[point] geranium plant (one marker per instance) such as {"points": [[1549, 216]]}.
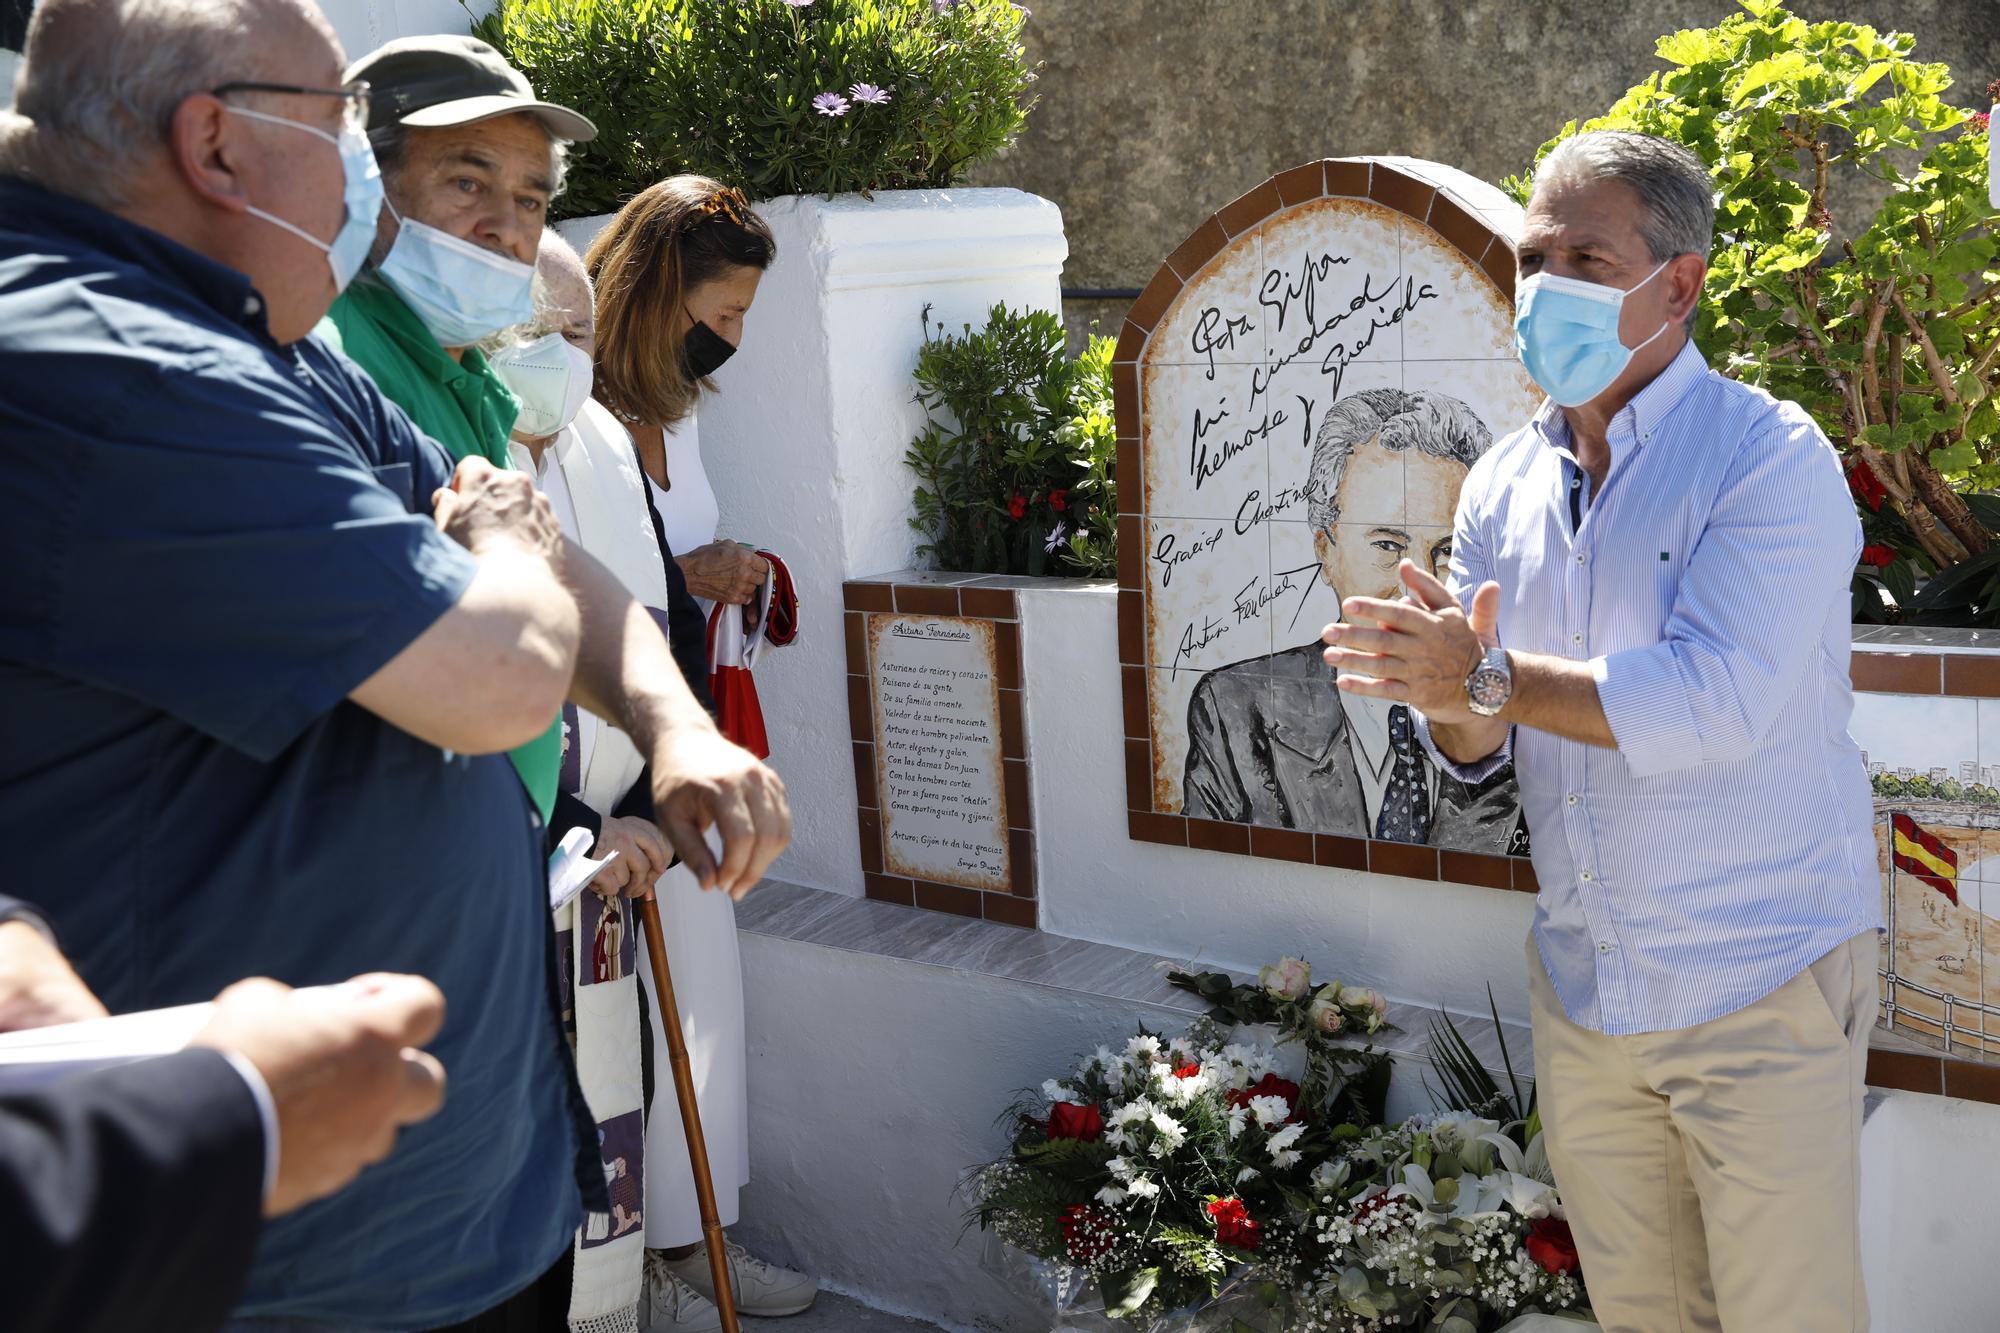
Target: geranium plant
{"points": [[773, 96], [1852, 273], [1015, 464]]}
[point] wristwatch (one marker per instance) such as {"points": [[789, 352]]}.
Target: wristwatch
{"points": [[1491, 683]]}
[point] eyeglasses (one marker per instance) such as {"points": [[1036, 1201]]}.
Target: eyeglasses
{"points": [[354, 115]]}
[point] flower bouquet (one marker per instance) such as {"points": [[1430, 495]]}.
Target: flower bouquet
{"points": [[1443, 1224], [1306, 1030], [1161, 1172]]}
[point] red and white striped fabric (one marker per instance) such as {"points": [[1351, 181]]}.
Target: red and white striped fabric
{"points": [[736, 635]]}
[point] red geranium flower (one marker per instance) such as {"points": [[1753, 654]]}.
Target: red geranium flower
{"points": [[1270, 1086], [1070, 1121], [1059, 500], [1188, 1070], [1878, 556], [1867, 487], [1018, 506], [1551, 1245], [1977, 122], [1087, 1233], [1234, 1225]]}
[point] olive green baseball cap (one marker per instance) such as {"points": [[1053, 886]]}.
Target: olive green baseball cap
{"points": [[440, 81]]}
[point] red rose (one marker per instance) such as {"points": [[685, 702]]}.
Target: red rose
{"points": [[1866, 486], [1067, 1120], [1059, 500], [1018, 506], [1087, 1233], [1550, 1244], [1379, 1203], [1270, 1086], [1188, 1070], [1878, 556], [1234, 1225]]}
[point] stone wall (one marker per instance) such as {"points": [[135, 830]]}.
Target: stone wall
{"points": [[1155, 112]]}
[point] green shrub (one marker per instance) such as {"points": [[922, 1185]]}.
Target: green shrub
{"points": [[1891, 338], [1015, 465], [727, 88]]}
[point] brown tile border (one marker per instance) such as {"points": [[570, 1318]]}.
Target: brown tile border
{"points": [[1281, 844], [1131, 553], [999, 607], [1212, 835], [1125, 391], [1145, 826], [1407, 194], [1970, 677], [1131, 341], [1401, 858], [1301, 183], [1906, 1071], [1138, 771], [1476, 868], [1340, 853], [919, 599], [1524, 875], [1131, 628], [1897, 673], [1245, 211], [1498, 264], [1347, 176], [1206, 242], [1145, 312], [1137, 705]]}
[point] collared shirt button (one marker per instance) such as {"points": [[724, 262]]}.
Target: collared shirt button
{"points": [[1586, 877], [1576, 638], [1572, 798], [1581, 558], [1604, 946]]}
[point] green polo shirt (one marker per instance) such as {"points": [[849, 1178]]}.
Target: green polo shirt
{"points": [[463, 405]]}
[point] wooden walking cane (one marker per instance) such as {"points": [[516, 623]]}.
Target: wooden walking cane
{"points": [[677, 1056]]}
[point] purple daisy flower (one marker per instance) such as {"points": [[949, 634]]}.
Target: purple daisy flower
{"points": [[868, 92], [829, 104]]}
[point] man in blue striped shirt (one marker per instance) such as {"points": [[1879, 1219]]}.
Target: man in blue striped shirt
{"points": [[1665, 555]]}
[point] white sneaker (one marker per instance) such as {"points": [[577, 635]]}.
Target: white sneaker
{"points": [[761, 1288], [669, 1305]]}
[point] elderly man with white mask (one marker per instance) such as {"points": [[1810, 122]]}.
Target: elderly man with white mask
{"points": [[1648, 610], [256, 620]]}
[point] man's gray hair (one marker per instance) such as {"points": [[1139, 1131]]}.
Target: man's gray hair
{"points": [[1676, 193], [1432, 423], [101, 79]]}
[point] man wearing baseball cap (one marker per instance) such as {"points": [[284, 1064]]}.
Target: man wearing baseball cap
{"points": [[470, 159]]}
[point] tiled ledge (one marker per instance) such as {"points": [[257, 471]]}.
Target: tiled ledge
{"points": [[1911, 659], [1084, 967]]}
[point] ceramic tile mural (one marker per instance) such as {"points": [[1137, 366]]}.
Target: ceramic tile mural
{"points": [[1280, 480], [1935, 766]]}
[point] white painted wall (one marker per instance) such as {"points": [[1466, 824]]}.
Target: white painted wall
{"points": [[1930, 1209], [1431, 944], [364, 25]]}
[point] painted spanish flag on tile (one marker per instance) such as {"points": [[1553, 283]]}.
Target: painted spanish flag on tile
{"points": [[1922, 854]]}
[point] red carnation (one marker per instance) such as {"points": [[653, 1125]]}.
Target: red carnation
{"points": [[1879, 556], [1067, 1120], [1087, 1233], [1059, 500], [1234, 1225], [1550, 1244], [1188, 1070], [1270, 1086], [1374, 1204], [1018, 506], [1867, 487]]}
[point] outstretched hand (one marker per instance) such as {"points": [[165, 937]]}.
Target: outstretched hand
{"points": [[701, 779], [1417, 651]]}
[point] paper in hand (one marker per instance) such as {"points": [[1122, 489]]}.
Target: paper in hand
{"points": [[570, 867]]}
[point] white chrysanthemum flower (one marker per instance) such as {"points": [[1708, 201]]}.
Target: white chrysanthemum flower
{"points": [[1248, 1173], [1056, 1092], [1270, 1110], [1282, 1160], [1170, 1134], [1142, 1188], [1133, 1112], [1118, 1138], [1111, 1196], [1286, 1137], [1122, 1167], [1143, 1048], [1238, 1118]]}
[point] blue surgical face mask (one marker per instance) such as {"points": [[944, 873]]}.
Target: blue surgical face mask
{"points": [[364, 199], [1566, 331], [462, 292]]}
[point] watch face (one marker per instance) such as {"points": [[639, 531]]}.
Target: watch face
{"points": [[1490, 688]]}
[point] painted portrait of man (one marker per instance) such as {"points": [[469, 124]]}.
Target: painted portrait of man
{"points": [[1271, 740]]}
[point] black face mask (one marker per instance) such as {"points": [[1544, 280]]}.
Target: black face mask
{"points": [[704, 350]]}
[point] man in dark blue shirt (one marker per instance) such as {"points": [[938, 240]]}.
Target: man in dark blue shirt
{"points": [[256, 630]]}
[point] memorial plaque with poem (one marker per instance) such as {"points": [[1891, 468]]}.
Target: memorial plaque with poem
{"points": [[938, 749]]}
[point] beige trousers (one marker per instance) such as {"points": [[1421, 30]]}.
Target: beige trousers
{"points": [[1711, 1174]]}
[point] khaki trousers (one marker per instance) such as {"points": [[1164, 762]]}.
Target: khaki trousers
{"points": [[1711, 1174]]}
